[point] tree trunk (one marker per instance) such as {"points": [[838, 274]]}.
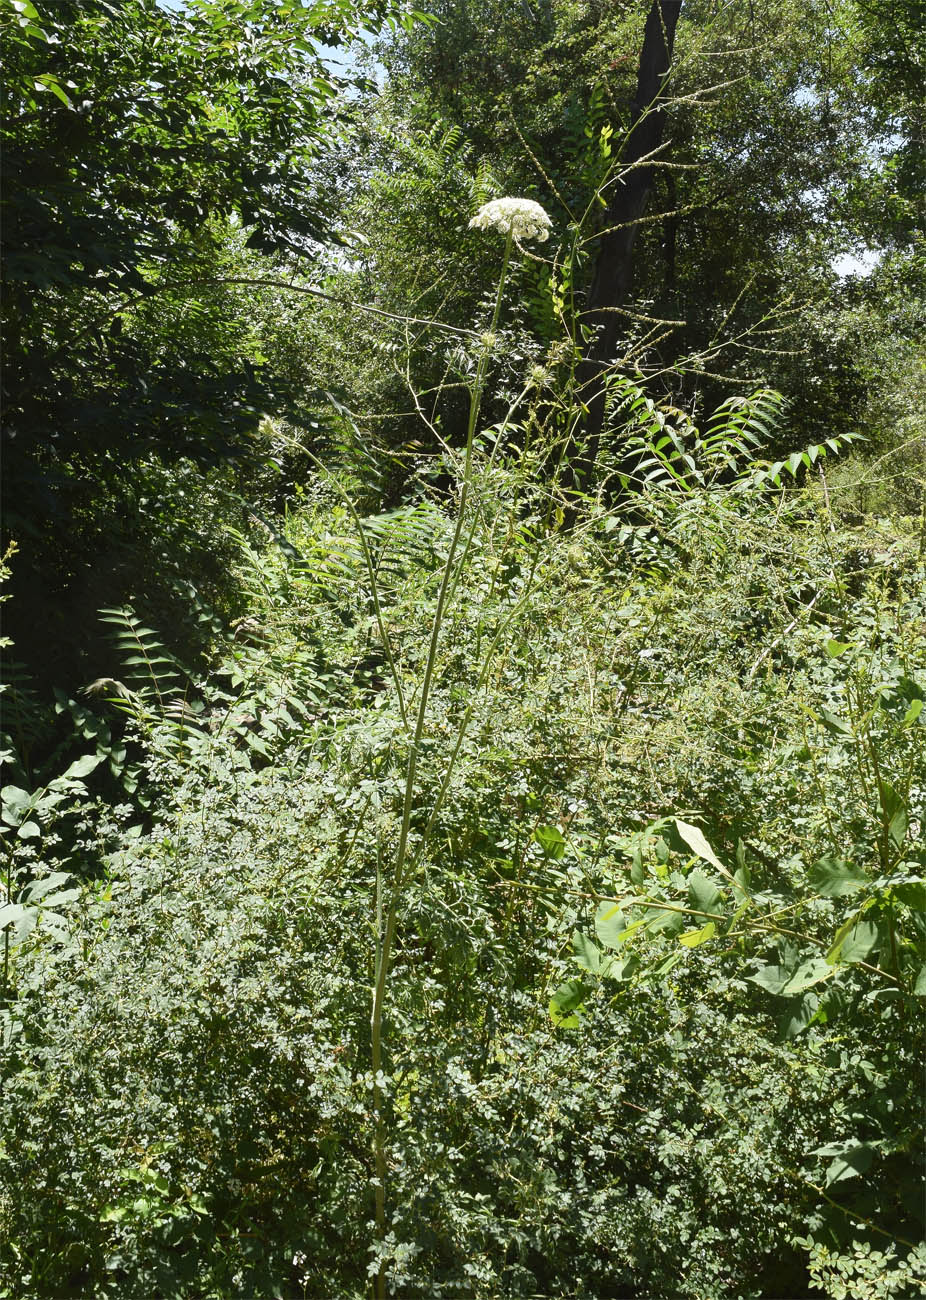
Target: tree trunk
{"points": [[614, 268]]}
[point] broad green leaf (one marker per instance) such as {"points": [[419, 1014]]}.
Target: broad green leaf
{"points": [[912, 893], [48, 82], [60, 899], [551, 840], [913, 712], [610, 924], [784, 981], [620, 968], [630, 930], [694, 938], [895, 813], [16, 803], [21, 920], [853, 942], [835, 947], [772, 978], [588, 954], [566, 1004], [809, 973], [852, 1158], [897, 827], [29, 830], [703, 894], [834, 878], [670, 962], [83, 766], [919, 988], [637, 872], [741, 883], [660, 919], [742, 907], [796, 1020], [39, 888], [835, 648], [694, 838], [859, 942], [835, 726]]}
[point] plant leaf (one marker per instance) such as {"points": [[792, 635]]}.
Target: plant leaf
{"points": [[784, 981], [894, 810], [694, 838], [620, 968], [912, 893], [551, 840], [703, 894], [83, 766], [834, 878], [853, 942], [913, 712], [852, 1158], [694, 938], [588, 954], [835, 726], [16, 803], [772, 978], [610, 924], [566, 1004], [810, 972]]}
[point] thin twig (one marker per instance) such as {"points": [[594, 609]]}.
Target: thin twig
{"points": [[268, 283]]}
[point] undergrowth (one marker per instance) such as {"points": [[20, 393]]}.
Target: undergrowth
{"points": [[188, 1079]]}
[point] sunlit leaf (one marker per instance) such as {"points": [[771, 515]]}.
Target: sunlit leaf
{"points": [[694, 938], [610, 924], [588, 954], [694, 838], [551, 840]]}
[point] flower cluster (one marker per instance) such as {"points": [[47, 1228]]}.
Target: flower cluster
{"points": [[524, 218]]}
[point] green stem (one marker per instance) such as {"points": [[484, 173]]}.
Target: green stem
{"points": [[449, 580]]}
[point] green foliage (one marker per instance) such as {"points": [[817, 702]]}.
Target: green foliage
{"points": [[221, 962], [145, 146], [866, 1274], [433, 880]]}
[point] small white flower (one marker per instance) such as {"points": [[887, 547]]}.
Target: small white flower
{"points": [[523, 217]]}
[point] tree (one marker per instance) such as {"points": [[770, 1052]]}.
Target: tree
{"points": [[140, 145], [775, 130], [613, 273]]}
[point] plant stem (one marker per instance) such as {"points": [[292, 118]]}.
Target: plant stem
{"points": [[384, 950]]}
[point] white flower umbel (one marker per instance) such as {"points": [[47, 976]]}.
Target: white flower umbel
{"points": [[521, 218]]}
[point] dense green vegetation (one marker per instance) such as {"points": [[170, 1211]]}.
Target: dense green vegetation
{"points": [[464, 677]]}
